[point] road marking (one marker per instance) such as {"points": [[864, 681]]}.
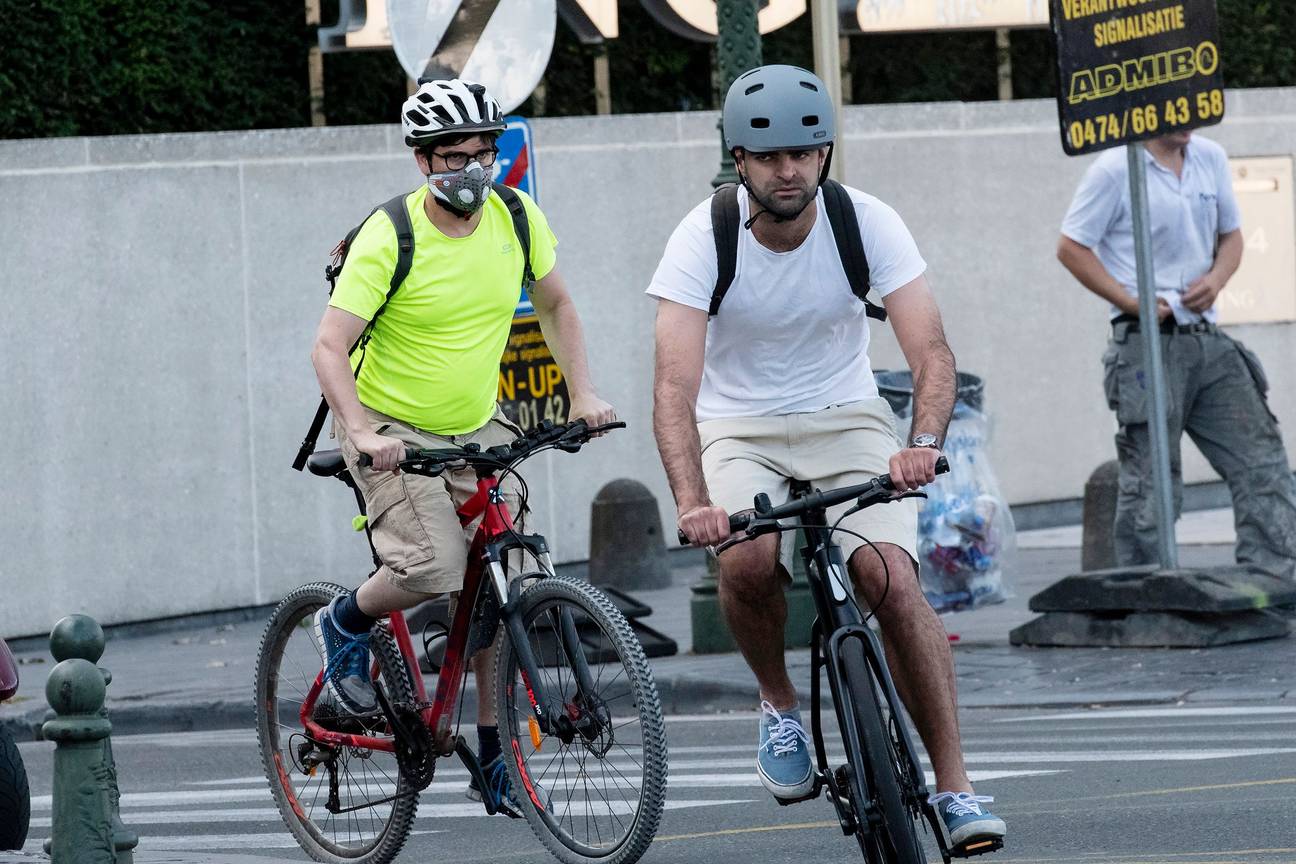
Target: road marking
{"points": [[1147, 713], [729, 832], [426, 811], [1181, 790]]}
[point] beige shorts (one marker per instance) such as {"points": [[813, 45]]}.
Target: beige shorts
{"points": [[412, 518], [839, 446]]}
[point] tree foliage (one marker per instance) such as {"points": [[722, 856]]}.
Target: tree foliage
{"points": [[98, 67]]}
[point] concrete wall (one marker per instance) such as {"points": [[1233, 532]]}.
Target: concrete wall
{"points": [[162, 291]]}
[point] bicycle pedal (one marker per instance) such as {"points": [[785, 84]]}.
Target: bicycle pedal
{"points": [[809, 796], [973, 848]]}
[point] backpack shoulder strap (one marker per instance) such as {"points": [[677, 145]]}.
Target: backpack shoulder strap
{"points": [[398, 213], [724, 227], [521, 227], [850, 247]]}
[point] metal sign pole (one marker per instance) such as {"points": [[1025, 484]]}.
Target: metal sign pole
{"points": [[1152, 363], [827, 61]]}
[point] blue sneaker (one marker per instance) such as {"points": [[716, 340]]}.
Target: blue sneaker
{"points": [[501, 790], [346, 669], [964, 818], [783, 758]]}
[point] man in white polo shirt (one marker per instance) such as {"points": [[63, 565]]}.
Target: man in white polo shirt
{"points": [[776, 385], [1215, 386]]}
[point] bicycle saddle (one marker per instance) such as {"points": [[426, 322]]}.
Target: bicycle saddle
{"points": [[326, 463]]}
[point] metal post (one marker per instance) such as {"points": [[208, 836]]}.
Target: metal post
{"points": [[315, 67], [827, 61], [602, 81], [738, 49], [1152, 362], [1003, 51], [81, 830], [80, 637]]}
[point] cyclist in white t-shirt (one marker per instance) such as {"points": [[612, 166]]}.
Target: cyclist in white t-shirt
{"points": [[777, 386]]}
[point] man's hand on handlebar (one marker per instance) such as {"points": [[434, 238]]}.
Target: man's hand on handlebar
{"points": [[913, 468], [385, 452], [706, 525], [593, 410]]}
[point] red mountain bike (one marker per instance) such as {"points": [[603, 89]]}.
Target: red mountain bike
{"points": [[578, 709]]}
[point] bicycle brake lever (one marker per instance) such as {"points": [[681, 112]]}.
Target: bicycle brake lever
{"points": [[910, 494]]}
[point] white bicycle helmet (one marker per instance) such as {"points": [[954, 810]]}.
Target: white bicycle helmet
{"points": [[449, 107]]}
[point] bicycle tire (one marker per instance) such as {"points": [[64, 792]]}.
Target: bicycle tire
{"points": [[899, 842], [293, 618], [596, 611], [15, 796]]}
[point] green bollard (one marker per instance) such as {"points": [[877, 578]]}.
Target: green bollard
{"points": [[82, 831], [80, 636]]}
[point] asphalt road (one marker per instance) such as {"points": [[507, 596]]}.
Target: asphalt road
{"points": [[1141, 785]]}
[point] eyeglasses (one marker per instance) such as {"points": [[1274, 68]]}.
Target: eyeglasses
{"points": [[457, 160]]}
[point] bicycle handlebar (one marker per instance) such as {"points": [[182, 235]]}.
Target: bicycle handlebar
{"points": [[565, 436], [866, 495]]}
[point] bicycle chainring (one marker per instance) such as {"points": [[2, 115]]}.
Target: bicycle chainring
{"points": [[415, 753]]}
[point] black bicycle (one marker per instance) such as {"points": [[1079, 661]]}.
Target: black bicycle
{"points": [[881, 791]]}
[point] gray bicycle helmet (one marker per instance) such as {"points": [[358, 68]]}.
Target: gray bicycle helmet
{"points": [[778, 108]]}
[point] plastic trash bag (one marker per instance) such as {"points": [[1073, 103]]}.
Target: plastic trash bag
{"points": [[966, 540]]}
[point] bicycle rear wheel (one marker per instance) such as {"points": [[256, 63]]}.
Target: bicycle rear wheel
{"points": [[595, 795], [897, 841], [305, 776]]}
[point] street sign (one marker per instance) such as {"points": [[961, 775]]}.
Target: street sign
{"points": [[504, 44], [1129, 70], [531, 384], [516, 165]]}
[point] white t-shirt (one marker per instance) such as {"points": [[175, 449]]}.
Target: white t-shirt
{"points": [[790, 336], [1188, 215]]}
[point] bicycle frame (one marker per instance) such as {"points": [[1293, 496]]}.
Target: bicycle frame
{"points": [[494, 538], [838, 620]]}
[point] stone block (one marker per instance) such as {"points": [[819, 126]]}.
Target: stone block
{"points": [[626, 545], [1098, 532], [1148, 629], [1149, 589]]}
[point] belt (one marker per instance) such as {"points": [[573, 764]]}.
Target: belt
{"points": [[1167, 326]]}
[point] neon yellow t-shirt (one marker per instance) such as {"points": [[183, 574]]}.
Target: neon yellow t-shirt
{"points": [[433, 360]]}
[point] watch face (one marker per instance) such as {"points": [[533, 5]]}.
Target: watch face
{"points": [[926, 439]]}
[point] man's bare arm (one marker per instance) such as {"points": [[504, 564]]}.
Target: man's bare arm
{"points": [[338, 331], [1084, 265], [916, 320], [680, 348], [563, 333]]}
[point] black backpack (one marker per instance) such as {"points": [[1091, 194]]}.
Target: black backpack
{"points": [[845, 229], [399, 216]]}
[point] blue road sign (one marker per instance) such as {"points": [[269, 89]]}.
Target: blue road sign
{"points": [[516, 163]]}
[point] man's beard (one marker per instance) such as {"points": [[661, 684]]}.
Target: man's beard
{"points": [[785, 208]]}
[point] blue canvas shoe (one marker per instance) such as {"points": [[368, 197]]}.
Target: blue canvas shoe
{"points": [[346, 663], [783, 758], [501, 789], [965, 819]]}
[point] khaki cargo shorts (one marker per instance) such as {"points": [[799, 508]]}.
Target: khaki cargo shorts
{"points": [[839, 446], [412, 518]]}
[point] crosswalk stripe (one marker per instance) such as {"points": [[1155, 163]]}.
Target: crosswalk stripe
{"points": [[1149, 713], [425, 811]]}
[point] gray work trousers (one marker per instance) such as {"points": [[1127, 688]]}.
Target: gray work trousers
{"points": [[1215, 390]]}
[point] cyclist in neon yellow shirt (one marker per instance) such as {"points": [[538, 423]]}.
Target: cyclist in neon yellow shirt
{"points": [[429, 375]]}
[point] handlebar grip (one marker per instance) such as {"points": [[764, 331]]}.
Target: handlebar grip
{"points": [[942, 467], [737, 522], [366, 461]]}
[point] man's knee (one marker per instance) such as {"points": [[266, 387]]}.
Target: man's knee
{"points": [[885, 568], [751, 569]]}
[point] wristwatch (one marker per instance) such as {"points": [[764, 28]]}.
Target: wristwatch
{"points": [[924, 439]]}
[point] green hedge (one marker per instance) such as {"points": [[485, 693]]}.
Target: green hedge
{"points": [[100, 67]]}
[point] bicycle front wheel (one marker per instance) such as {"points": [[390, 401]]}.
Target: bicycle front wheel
{"points": [[344, 805], [897, 841], [592, 791]]}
